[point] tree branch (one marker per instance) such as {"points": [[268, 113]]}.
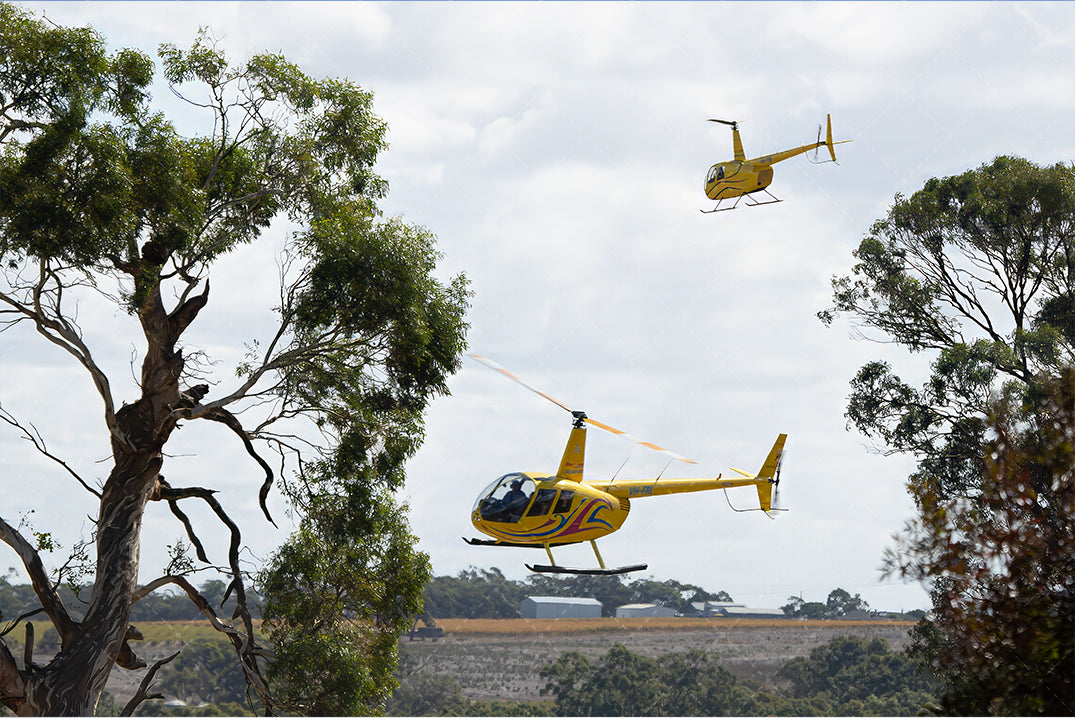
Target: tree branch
{"points": [[34, 437], [228, 419], [59, 331], [50, 600], [245, 647], [143, 688]]}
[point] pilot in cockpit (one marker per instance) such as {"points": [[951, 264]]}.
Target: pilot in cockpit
{"points": [[514, 502]]}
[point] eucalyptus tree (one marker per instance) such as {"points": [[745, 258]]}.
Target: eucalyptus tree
{"points": [[102, 199], [977, 271]]}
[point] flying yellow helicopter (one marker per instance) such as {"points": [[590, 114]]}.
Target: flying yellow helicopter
{"points": [[741, 177], [526, 509]]}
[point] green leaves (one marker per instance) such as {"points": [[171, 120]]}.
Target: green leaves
{"points": [[64, 182], [96, 177], [1002, 567], [339, 594], [979, 268], [847, 676]]}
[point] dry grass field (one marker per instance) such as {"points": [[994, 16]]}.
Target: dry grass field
{"points": [[501, 659], [525, 626]]}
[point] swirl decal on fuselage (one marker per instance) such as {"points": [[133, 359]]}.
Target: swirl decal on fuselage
{"points": [[584, 518]]}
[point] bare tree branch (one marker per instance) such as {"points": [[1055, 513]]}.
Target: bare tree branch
{"points": [[43, 308], [22, 617], [31, 561], [34, 437], [142, 693], [228, 419], [245, 646]]}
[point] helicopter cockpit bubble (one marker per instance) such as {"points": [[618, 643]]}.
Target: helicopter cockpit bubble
{"points": [[505, 500]]}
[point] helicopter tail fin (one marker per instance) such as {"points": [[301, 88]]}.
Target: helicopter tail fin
{"points": [[769, 475], [828, 138]]}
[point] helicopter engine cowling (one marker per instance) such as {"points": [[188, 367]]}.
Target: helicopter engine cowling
{"points": [[765, 177]]}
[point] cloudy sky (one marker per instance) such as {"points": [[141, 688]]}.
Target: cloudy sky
{"points": [[557, 151]]}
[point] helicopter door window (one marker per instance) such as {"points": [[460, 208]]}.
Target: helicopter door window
{"points": [[563, 504], [542, 503]]}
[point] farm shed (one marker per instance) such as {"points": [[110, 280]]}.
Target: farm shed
{"points": [[649, 610], [712, 608], [558, 607]]}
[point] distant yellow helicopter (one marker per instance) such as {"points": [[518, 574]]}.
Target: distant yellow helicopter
{"points": [[741, 177], [525, 509]]}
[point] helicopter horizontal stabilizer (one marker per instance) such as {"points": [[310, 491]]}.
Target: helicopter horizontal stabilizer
{"points": [[588, 571]]}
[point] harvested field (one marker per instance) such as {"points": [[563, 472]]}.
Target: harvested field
{"points": [[604, 625], [502, 659]]}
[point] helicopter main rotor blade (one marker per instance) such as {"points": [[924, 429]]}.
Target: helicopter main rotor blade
{"points": [[647, 444], [578, 414], [497, 368]]}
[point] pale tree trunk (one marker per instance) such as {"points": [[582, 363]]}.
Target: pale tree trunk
{"points": [[72, 683], [74, 680]]}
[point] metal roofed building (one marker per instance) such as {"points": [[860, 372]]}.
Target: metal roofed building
{"points": [[713, 608], [647, 610], [559, 607]]}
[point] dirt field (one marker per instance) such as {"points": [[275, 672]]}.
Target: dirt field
{"points": [[501, 659]]}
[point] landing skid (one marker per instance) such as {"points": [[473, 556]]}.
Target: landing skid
{"points": [[587, 571], [509, 544], [749, 201], [553, 568]]}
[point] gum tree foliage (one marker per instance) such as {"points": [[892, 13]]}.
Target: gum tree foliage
{"points": [[858, 677], [104, 203], [1002, 635], [839, 603], [847, 676], [978, 270]]}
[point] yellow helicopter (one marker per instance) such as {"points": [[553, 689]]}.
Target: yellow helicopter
{"points": [[741, 177], [534, 510]]}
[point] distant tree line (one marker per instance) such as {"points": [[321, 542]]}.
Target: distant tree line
{"points": [[840, 603], [19, 599], [486, 593], [847, 676]]}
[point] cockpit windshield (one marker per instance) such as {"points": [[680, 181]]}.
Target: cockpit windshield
{"points": [[505, 499]]}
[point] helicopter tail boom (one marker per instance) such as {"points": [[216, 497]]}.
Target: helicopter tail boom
{"points": [[764, 481]]}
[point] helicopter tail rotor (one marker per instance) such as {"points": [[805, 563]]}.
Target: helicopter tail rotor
{"points": [[776, 506]]}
